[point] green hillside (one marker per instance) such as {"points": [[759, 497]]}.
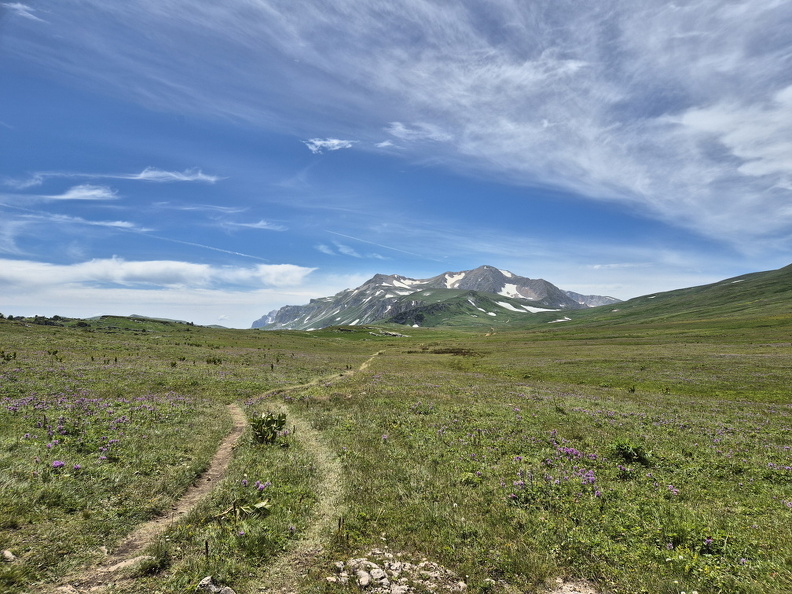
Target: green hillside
{"points": [[642, 450], [762, 298]]}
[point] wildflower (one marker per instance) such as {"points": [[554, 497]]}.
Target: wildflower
{"points": [[241, 533], [76, 467], [58, 464], [384, 437], [244, 482]]}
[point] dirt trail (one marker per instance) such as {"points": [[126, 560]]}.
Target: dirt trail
{"points": [[128, 551], [109, 573], [285, 573]]}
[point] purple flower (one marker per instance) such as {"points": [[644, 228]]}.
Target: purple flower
{"points": [[244, 482], [76, 467], [58, 464]]}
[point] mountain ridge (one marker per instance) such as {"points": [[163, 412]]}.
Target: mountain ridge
{"points": [[390, 298]]}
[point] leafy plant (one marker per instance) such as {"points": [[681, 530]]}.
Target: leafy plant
{"points": [[237, 512], [630, 452], [267, 427]]}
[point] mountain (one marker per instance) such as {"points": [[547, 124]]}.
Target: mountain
{"points": [[484, 292], [591, 300]]}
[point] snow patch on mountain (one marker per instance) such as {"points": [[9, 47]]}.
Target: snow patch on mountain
{"points": [[452, 280], [510, 307], [537, 309]]}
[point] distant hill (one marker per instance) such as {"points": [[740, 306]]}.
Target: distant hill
{"points": [[757, 295], [474, 297]]}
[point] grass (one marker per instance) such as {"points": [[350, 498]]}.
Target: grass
{"points": [[523, 482], [645, 457]]}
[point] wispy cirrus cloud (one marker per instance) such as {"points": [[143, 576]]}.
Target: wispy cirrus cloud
{"points": [[217, 208], [84, 192], [153, 174], [627, 101], [342, 249], [319, 145], [149, 174], [418, 131], [261, 224], [22, 10]]}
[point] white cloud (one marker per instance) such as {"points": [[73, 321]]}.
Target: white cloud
{"points": [[262, 224], [325, 249], [85, 192], [419, 131], [158, 175], [346, 250], [22, 10], [151, 273], [60, 219], [318, 145], [151, 174], [185, 291], [629, 101], [9, 231], [760, 135]]}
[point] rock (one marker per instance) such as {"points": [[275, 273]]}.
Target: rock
{"points": [[207, 585], [399, 589], [378, 575], [8, 556], [363, 578]]}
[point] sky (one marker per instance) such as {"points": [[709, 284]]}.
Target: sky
{"points": [[212, 161]]}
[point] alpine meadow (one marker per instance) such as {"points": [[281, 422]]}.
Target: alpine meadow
{"points": [[644, 446]]}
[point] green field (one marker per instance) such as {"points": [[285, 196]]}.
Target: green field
{"points": [[646, 452]]}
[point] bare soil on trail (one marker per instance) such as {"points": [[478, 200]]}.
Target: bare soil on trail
{"points": [[129, 550]]}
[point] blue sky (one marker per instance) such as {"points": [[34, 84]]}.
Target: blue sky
{"points": [[213, 161]]}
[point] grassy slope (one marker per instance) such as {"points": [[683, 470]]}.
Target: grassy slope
{"points": [[648, 452]]}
